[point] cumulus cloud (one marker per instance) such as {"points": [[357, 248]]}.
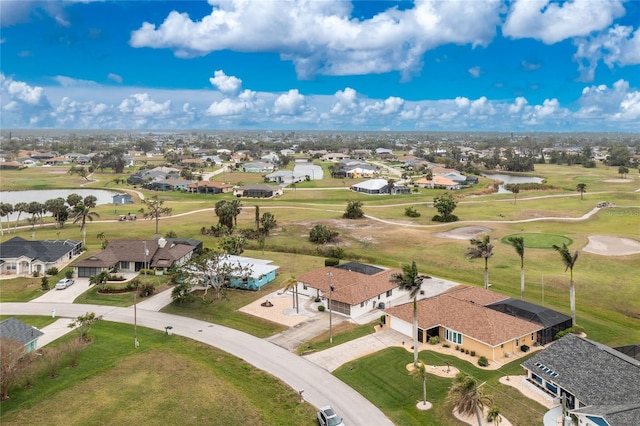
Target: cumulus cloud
{"points": [[619, 45], [474, 72], [141, 104], [616, 103], [322, 37], [291, 103], [517, 105], [553, 22], [229, 85]]}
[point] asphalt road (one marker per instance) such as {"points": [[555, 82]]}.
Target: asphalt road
{"points": [[320, 387]]}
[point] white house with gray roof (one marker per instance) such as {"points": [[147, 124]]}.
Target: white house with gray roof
{"points": [[601, 386]]}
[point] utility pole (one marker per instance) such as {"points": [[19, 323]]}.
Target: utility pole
{"points": [[330, 307]]}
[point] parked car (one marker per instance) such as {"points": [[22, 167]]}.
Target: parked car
{"points": [[64, 283], [328, 417]]}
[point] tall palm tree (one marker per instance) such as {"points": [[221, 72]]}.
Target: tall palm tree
{"points": [[420, 372], [569, 261], [494, 415], [411, 281], [292, 284], [481, 248], [468, 397], [581, 188], [516, 190], [19, 208], [82, 213], [5, 210], [518, 245], [236, 209]]}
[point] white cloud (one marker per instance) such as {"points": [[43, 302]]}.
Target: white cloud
{"points": [[618, 103], [141, 104], [291, 103], [23, 103], [347, 101], [474, 72], [619, 45], [321, 37], [65, 81], [530, 66], [115, 77], [229, 85], [552, 22], [517, 105]]}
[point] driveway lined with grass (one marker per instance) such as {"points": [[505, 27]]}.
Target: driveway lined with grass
{"points": [[320, 387]]}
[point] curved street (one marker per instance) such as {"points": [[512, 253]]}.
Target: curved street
{"points": [[320, 387]]}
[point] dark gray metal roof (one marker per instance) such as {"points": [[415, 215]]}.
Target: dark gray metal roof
{"points": [[13, 328], [595, 373], [46, 251]]}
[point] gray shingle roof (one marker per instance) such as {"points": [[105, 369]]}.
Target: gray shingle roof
{"points": [[596, 374], [46, 251], [13, 328]]}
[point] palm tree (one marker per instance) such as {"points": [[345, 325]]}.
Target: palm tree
{"points": [[518, 244], [19, 208], [411, 281], [494, 415], [100, 280], [581, 188], [82, 213], [468, 397], [236, 209], [516, 190], [5, 210], [292, 284], [420, 372], [569, 261], [481, 248]]}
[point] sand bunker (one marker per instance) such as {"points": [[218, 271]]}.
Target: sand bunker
{"points": [[618, 180], [612, 246], [464, 233]]}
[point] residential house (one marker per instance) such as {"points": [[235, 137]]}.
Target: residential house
{"points": [[155, 174], [132, 255], [209, 187], [10, 165], [193, 162], [23, 257], [27, 162], [599, 385], [257, 191], [270, 158], [55, 161], [258, 167], [13, 328], [122, 199], [214, 159], [357, 288], [334, 156], [383, 151], [285, 177], [461, 318], [438, 182], [171, 184], [260, 272], [372, 187]]}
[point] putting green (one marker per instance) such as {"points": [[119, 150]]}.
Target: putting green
{"points": [[545, 241]]}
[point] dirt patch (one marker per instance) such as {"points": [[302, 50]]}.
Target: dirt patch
{"points": [[464, 233], [612, 246]]}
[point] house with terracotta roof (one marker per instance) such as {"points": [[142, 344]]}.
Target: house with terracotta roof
{"points": [[437, 182], [600, 385], [461, 318], [132, 255], [357, 288], [209, 187]]}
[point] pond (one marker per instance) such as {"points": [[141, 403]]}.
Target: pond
{"points": [[506, 179], [41, 195]]}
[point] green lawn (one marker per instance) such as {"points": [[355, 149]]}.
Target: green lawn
{"points": [[116, 384]]}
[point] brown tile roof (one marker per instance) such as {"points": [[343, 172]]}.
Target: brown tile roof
{"points": [[461, 312], [210, 183], [477, 295], [349, 286]]}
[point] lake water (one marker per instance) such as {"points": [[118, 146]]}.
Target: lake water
{"points": [[506, 179], [41, 195]]}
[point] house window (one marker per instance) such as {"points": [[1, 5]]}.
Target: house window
{"points": [[245, 280], [379, 296], [517, 342], [362, 304], [453, 336], [389, 293], [304, 286], [123, 265], [11, 266]]}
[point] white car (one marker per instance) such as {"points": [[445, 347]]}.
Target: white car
{"points": [[64, 283], [328, 417]]}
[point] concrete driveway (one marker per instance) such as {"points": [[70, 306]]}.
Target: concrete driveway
{"points": [[68, 295]]}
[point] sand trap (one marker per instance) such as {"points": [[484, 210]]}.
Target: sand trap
{"points": [[464, 233], [612, 246], [618, 180]]}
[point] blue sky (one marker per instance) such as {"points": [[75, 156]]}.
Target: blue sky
{"points": [[472, 65]]}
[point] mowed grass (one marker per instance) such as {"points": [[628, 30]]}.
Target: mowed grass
{"points": [[384, 380], [539, 240], [168, 380]]}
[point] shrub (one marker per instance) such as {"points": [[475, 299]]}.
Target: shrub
{"points": [[434, 340], [446, 345], [320, 234], [44, 283], [36, 274], [411, 212], [146, 290], [69, 273], [472, 353], [331, 262], [321, 308], [576, 329], [317, 300], [383, 319], [483, 361], [457, 348], [466, 351], [52, 271]]}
